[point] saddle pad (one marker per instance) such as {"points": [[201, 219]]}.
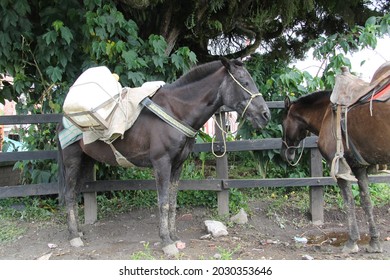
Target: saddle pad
{"points": [[69, 134], [348, 88]]}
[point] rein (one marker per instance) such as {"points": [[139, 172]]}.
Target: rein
{"points": [[294, 147]]}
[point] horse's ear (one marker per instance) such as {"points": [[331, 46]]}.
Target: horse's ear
{"points": [[287, 102], [225, 62]]}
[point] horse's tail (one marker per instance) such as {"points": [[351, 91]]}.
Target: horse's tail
{"points": [[61, 168]]}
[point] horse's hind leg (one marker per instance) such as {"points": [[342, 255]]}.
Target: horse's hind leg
{"points": [[361, 174], [349, 204]]}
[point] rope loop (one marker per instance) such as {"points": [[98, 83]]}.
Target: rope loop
{"points": [[291, 163]]}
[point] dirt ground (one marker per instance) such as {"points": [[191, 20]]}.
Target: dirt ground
{"points": [[134, 235]]}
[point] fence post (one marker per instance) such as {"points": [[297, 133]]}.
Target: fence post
{"points": [[222, 166], [316, 192], [61, 178], [90, 204]]}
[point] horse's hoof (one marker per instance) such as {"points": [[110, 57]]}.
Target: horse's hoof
{"points": [[350, 248], [76, 242], [170, 250], [375, 247]]}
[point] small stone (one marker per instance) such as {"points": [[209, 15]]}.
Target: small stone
{"points": [[206, 236], [170, 250], [52, 245], [307, 257], [216, 228], [302, 240], [217, 256], [241, 218], [76, 242], [180, 245], [45, 257]]}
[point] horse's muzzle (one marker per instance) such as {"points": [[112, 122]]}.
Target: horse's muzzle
{"points": [[287, 154], [262, 120]]}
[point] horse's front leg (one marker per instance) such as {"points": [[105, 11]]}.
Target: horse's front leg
{"points": [[163, 185], [173, 188], [163, 207], [361, 174], [349, 204], [162, 174]]}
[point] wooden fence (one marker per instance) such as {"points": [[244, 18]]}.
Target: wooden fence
{"points": [[221, 184]]}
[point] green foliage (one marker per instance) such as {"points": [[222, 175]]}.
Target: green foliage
{"points": [[10, 231], [28, 209], [123, 201], [380, 194], [227, 254], [146, 254], [46, 55], [332, 49], [197, 198]]}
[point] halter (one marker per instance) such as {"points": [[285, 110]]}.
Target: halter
{"points": [[294, 147], [253, 95]]}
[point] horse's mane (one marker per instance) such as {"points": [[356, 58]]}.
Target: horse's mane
{"points": [[197, 73], [313, 97]]}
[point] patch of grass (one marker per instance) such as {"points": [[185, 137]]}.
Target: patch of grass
{"points": [[146, 254], [123, 201], [28, 208], [380, 194], [227, 254], [10, 231]]}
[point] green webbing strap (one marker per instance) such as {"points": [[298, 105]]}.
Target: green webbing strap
{"points": [[171, 120]]}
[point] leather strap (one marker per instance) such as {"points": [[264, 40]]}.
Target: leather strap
{"points": [[169, 119]]}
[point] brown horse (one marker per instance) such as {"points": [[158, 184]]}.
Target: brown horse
{"points": [[152, 142], [368, 139]]}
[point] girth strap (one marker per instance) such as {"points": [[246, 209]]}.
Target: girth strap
{"points": [[350, 143], [169, 119], [120, 159]]}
